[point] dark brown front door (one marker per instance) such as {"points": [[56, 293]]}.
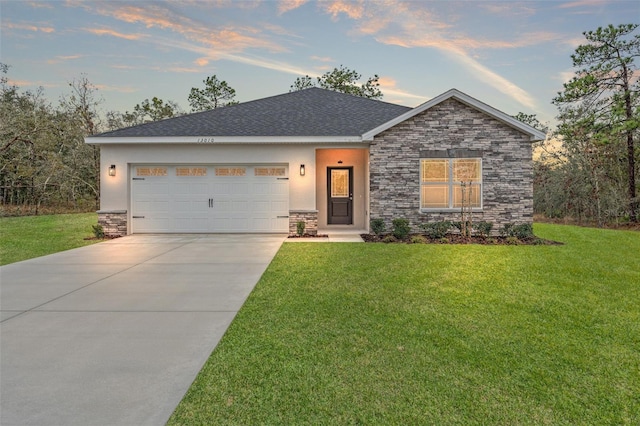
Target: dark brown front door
{"points": [[340, 194]]}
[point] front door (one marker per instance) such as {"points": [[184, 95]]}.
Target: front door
{"points": [[340, 194]]}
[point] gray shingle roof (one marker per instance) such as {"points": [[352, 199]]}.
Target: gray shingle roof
{"points": [[309, 112]]}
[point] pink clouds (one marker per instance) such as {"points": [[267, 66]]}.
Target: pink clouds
{"points": [[285, 6], [227, 39], [27, 27], [104, 31], [417, 25]]}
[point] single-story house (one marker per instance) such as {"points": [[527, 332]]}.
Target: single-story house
{"points": [[332, 160]]}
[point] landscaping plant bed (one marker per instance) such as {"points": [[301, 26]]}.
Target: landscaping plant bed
{"points": [[309, 236], [457, 239], [106, 237]]}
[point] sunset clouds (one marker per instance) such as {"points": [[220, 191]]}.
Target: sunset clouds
{"points": [[415, 26], [31, 27], [229, 38], [516, 52]]}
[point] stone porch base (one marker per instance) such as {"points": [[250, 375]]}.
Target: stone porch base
{"points": [[113, 222], [309, 217]]}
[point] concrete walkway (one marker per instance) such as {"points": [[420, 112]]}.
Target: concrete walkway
{"points": [[331, 236], [115, 333]]}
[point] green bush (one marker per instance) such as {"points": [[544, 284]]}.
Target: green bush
{"points": [[512, 241], [436, 229], [418, 239], [389, 239], [523, 231], [98, 231], [300, 226], [505, 231], [458, 225], [483, 228], [377, 226], [401, 228]]}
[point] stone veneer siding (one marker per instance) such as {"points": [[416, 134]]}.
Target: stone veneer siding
{"points": [[447, 130], [310, 218], [114, 222]]}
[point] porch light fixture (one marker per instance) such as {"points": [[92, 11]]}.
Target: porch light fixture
{"points": [[302, 170], [112, 170]]}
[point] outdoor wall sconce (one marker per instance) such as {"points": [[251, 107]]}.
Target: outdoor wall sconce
{"points": [[302, 170], [112, 170]]}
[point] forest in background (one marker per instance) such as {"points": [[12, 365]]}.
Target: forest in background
{"points": [[585, 171]]}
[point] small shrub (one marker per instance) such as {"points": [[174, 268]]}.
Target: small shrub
{"points": [[505, 231], [418, 239], [523, 231], [512, 241], [401, 228], [389, 239], [300, 226], [483, 228], [98, 231], [377, 226], [444, 240], [436, 229], [458, 225]]}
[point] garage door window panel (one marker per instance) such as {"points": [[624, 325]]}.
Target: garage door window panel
{"points": [[270, 171], [191, 171], [231, 171], [151, 171]]}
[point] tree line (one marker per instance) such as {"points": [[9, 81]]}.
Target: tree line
{"points": [[587, 168], [45, 166], [588, 172]]}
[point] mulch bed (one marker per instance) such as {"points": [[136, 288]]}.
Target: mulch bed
{"points": [[106, 237], [458, 239], [309, 236]]}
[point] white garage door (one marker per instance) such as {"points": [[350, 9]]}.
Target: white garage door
{"points": [[209, 198]]}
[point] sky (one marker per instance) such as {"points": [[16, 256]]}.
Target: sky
{"points": [[512, 55]]}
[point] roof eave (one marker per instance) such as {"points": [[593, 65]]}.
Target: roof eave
{"points": [[534, 134], [215, 140]]}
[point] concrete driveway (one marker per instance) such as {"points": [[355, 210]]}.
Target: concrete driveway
{"points": [[115, 333]]}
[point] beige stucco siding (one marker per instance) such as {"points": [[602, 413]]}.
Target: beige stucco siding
{"points": [[356, 158], [115, 190]]}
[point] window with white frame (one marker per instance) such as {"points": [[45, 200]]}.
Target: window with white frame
{"points": [[450, 183]]}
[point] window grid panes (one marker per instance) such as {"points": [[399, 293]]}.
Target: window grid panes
{"points": [[447, 183], [339, 183], [191, 171], [231, 171], [269, 171], [151, 171]]}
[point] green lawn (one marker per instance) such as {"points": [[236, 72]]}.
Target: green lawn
{"points": [[32, 236], [434, 334]]}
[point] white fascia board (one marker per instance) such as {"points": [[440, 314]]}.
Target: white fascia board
{"points": [[215, 140], [535, 134]]}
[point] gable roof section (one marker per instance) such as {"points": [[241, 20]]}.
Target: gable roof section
{"points": [[533, 133], [306, 114]]}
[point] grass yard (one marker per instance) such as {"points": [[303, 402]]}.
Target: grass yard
{"points": [[434, 334], [32, 236]]}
